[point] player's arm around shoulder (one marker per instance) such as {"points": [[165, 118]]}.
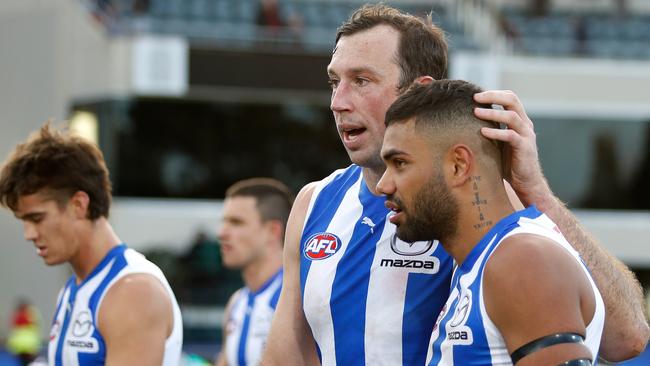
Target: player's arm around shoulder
{"points": [[290, 340], [533, 288], [221, 359], [135, 319]]}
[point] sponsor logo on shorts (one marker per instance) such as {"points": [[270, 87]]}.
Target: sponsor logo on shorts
{"points": [[321, 246]]}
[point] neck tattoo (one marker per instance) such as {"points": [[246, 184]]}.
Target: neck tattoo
{"points": [[479, 202]]}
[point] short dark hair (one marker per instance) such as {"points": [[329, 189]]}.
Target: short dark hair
{"points": [[58, 164], [447, 106], [422, 48], [273, 198]]}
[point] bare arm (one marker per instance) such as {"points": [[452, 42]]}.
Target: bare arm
{"points": [[221, 359], [136, 315], [533, 288], [290, 341], [626, 328]]}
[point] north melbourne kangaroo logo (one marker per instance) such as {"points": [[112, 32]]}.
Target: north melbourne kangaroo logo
{"points": [[416, 248], [82, 324]]}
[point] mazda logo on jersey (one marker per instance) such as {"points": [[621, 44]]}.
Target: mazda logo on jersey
{"points": [[411, 249], [321, 246]]}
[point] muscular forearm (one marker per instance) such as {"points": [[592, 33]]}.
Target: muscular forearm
{"points": [[626, 329]]}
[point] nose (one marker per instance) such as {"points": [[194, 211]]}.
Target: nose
{"points": [[340, 101], [222, 231], [29, 231], [385, 185]]}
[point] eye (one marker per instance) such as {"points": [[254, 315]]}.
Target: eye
{"points": [[399, 163], [333, 83], [35, 219], [361, 81]]}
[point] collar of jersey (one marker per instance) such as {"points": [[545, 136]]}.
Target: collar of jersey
{"points": [[114, 252], [497, 232], [267, 283]]}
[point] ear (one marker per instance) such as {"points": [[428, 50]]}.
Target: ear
{"points": [[424, 80], [461, 165], [276, 229], [80, 201]]}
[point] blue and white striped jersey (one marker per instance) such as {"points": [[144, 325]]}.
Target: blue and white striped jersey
{"points": [[249, 322], [369, 298], [464, 333], [75, 339]]}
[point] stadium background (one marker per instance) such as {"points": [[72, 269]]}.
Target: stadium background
{"points": [[187, 96]]}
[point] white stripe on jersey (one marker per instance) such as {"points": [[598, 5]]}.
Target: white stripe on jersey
{"points": [[379, 319], [259, 322], [369, 303], [464, 329], [318, 287]]}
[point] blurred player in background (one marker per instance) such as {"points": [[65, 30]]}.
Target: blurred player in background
{"points": [[255, 215], [117, 308], [24, 338], [520, 291], [363, 296]]}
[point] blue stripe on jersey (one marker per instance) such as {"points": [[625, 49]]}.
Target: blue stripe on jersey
{"points": [[324, 208], [501, 229], [241, 353], [273, 303], [66, 322], [116, 267], [117, 250], [349, 327], [65, 289], [243, 337], [478, 355], [422, 312]]}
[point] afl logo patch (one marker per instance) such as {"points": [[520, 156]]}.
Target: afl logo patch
{"points": [[321, 246], [417, 248]]}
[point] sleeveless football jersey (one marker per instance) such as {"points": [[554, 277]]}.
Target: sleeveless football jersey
{"points": [[249, 322], [369, 298], [464, 333], [74, 337]]}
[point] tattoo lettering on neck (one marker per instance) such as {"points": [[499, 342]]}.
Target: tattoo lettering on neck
{"points": [[479, 202]]}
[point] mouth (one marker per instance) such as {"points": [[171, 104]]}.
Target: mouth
{"points": [[396, 212], [350, 133], [41, 251]]}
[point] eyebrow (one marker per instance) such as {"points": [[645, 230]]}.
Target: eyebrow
{"points": [[27, 216], [355, 71], [387, 155]]}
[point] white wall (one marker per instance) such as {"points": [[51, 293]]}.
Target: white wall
{"points": [[49, 53]]}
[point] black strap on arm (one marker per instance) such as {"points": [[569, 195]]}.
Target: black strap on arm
{"points": [[577, 362], [543, 342]]}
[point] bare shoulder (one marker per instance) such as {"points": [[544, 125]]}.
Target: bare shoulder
{"points": [[298, 215], [525, 252], [137, 298], [230, 302], [303, 198], [532, 287]]}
